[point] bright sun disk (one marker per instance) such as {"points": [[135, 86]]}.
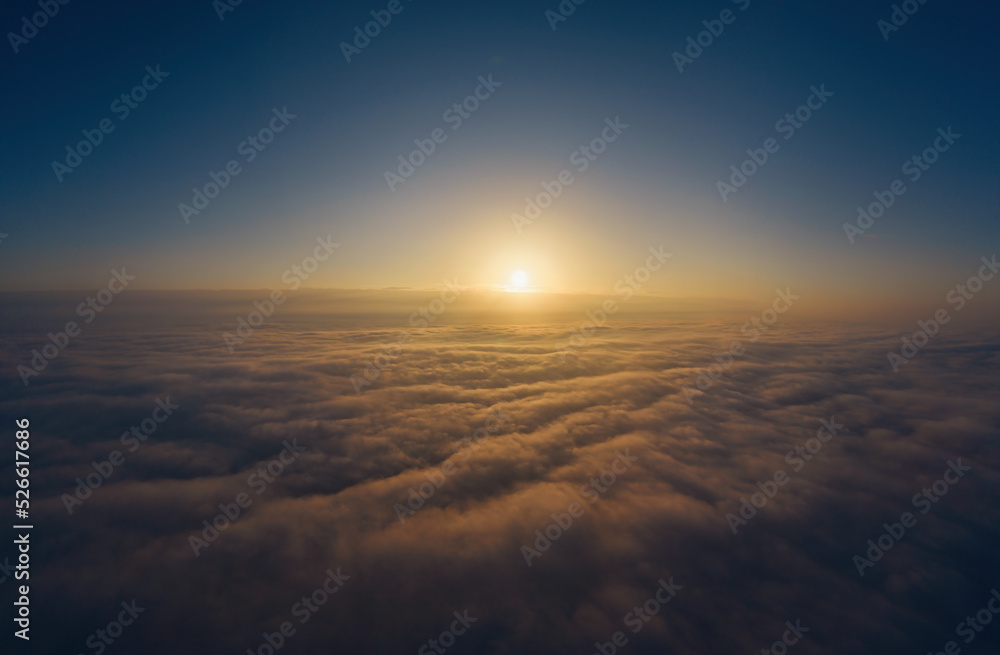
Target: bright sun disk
{"points": [[519, 279]]}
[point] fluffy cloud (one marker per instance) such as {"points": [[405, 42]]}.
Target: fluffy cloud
{"points": [[565, 423]]}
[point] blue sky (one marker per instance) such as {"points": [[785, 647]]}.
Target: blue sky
{"points": [[325, 173]]}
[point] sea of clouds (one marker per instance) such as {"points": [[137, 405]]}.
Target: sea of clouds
{"points": [[692, 458]]}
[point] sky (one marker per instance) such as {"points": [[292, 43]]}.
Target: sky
{"points": [[325, 172], [282, 268]]}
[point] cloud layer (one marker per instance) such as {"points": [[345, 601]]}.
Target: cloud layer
{"points": [[623, 392]]}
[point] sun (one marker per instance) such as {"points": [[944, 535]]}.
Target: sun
{"points": [[518, 281]]}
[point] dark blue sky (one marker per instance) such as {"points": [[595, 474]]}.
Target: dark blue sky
{"points": [[325, 173]]}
